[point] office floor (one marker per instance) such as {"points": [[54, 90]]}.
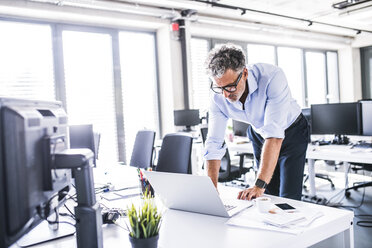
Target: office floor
{"points": [[362, 235]]}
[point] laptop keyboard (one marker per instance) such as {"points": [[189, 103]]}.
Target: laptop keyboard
{"points": [[229, 207]]}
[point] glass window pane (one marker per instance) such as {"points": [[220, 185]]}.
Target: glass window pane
{"points": [[138, 68], [26, 61], [290, 60], [90, 88], [200, 81], [332, 70], [260, 54], [316, 77]]}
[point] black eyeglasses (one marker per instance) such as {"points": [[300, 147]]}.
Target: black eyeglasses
{"points": [[228, 88]]}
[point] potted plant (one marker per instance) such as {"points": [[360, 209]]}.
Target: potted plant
{"points": [[144, 224]]}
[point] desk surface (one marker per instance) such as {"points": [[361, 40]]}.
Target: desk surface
{"points": [[328, 152], [183, 229]]}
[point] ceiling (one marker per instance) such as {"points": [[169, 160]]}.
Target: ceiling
{"points": [[304, 16], [358, 17]]}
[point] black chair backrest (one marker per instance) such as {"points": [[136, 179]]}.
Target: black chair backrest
{"points": [[175, 153], [143, 149], [97, 141], [204, 133], [225, 161]]}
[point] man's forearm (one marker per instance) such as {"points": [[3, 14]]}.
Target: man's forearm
{"points": [[213, 168], [269, 158]]}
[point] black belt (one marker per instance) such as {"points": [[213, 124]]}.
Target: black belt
{"points": [[296, 121]]}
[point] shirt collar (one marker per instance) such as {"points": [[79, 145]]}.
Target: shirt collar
{"points": [[252, 84]]}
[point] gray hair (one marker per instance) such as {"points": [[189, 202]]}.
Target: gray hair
{"points": [[224, 57]]}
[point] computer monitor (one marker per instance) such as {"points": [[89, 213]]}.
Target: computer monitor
{"points": [[27, 183], [336, 118], [366, 109], [240, 128], [82, 136], [186, 117]]}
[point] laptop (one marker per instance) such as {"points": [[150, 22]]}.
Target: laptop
{"points": [[193, 194]]}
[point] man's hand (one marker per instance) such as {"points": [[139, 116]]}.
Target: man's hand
{"points": [[250, 193]]}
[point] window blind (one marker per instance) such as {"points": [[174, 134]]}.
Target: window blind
{"points": [[90, 89], [200, 81], [26, 61], [139, 85]]}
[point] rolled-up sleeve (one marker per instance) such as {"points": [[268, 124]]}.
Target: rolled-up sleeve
{"points": [[214, 146], [277, 105]]}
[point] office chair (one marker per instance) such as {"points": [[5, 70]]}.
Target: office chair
{"points": [[367, 167], [97, 142], [321, 176], [228, 171], [175, 153], [143, 149]]}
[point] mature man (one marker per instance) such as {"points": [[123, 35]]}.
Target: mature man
{"points": [[258, 95]]}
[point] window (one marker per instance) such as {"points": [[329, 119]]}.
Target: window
{"points": [[316, 78], [366, 68], [312, 75], [290, 60], [98, 81], [200, 81], [261, 54], [90, 91], [139, 85], [26, 61]]}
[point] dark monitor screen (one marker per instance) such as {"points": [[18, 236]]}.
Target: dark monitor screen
{"points": [[27, 182], [366, 117], [186, 117], [336, 118], [82, 136], [240, 128]]}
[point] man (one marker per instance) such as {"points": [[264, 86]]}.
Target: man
{"points": [[260, 96]]}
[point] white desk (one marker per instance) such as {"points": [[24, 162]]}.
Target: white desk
{"points": [[335, 153], [184, 230], [329, 152]]}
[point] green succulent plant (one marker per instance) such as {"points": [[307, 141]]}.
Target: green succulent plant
{"points": [[144, 221]]}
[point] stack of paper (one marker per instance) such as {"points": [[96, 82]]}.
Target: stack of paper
{"points": [[294, 222], [283, 219]]}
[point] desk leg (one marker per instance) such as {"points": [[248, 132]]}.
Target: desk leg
{"points": [[349, 237], [310, 166], [347, 169]]}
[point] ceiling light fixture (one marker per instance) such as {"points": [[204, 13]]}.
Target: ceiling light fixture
{"points": [[348, 3], [309, 22]]}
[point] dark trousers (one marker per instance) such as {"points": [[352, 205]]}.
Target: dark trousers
{"points": [[288, 175]]}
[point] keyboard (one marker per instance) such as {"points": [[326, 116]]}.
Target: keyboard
{"points": [[229, 207], [362, 145]]}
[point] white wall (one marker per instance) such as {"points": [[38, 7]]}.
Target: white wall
{"points": [[349, 74]]}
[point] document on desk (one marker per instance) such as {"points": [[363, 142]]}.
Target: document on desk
{"points": [[293, 223], [117, 195]]}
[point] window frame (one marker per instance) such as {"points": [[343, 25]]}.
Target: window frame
{"points": [[59, 77]]}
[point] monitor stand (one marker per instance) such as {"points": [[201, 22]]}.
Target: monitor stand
{"points": [[187, 129], [44, 233]]}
